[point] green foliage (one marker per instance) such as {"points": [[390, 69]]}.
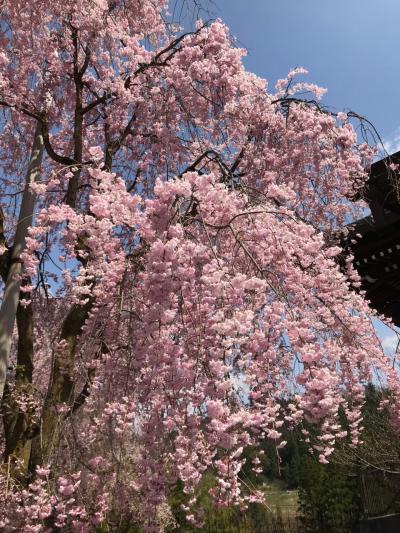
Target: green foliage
{"points": [[291, 456], [328, 498]]}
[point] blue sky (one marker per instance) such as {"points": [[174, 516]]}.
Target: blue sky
{"points": [[351, 47]]}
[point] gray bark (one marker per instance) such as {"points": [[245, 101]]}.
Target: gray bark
{"points": [[12, 287]]}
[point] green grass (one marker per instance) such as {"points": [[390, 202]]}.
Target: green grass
{"points": [[279, 499]]}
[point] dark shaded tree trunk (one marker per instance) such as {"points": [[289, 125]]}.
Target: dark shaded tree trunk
{"points": [[18, 422], [60, 392]]}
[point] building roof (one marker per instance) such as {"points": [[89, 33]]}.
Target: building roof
{"points": [[377, 252]]}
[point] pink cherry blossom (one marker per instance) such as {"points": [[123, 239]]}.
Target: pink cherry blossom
{"points": [[181, 275]]}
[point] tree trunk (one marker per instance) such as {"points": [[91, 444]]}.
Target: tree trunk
{"points": [[18, 422], [13, 283], [61, 389]]}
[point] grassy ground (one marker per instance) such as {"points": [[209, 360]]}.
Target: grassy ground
{"points": [[281, 500]]}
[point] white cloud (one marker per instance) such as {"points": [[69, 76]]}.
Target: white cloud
{"points": [[392, 143], [389, 343], [389, 337]]}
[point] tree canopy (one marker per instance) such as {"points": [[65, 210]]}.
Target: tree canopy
{"points": [[180, 278]]}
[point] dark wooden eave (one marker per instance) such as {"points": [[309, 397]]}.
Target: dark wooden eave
{"points": [[377, 252]]}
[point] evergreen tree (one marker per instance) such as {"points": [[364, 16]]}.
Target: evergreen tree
{"points": [[328, 498]]}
